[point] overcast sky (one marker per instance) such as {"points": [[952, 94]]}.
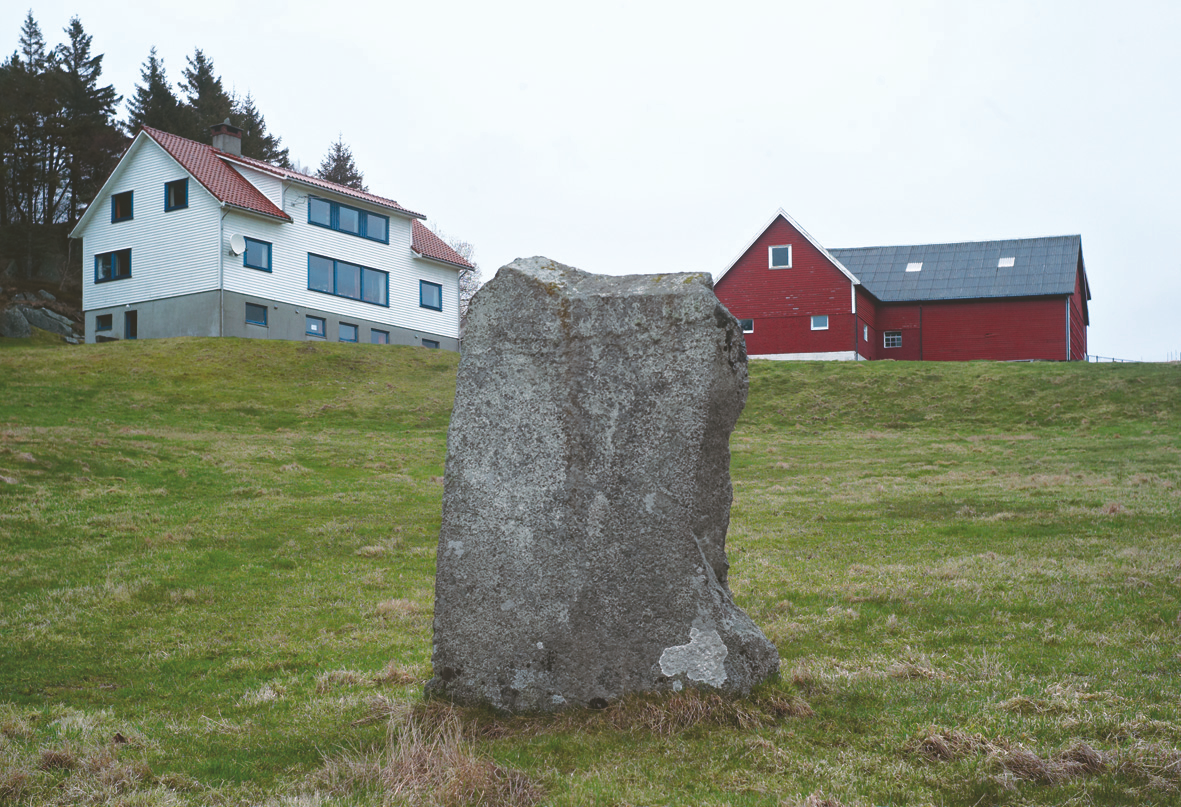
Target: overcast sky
{"points": [[628, 137]]}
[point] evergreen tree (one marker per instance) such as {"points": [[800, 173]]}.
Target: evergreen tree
{"points": [[257, 142], [154, 104], [90, 133], [338, 166], [206, 101], [31, 152]]}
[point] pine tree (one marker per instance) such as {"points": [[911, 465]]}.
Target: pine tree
{"points": [[31, 152], [154, 103], [90, 133], [206, 101], [338, 166], [256, 141]]}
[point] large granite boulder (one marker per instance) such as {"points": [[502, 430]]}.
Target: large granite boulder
{"points": [[13, 324], [587, 494]]}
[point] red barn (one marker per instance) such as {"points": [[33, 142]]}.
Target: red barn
{"points": [[1021, 299]]}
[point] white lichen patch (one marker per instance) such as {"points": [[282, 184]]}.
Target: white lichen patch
{"points": [[703, 659]]}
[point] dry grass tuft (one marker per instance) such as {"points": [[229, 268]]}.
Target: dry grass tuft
{"points": [[341, 678], [53, 759], [341, 775], [431, 763], [681, 711], [397, 675], [370, 551], [14, 785], [398, 608], [1079, 759]]}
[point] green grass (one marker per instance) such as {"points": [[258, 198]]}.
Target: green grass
{"points": [[222, 552]]}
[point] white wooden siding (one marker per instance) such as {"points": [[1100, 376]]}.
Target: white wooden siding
{"points": [[269, 185], [288, 279], [172, 253]]}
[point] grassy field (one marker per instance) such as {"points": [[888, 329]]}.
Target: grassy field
{"points": [[217, 564]]}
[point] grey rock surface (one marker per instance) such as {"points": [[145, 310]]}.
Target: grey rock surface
{"points": [[48, 320], [13, 324], [587, 494], [46, 295]]}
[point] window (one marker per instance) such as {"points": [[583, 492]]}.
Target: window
{"points": [[748, 325], [779, 257], [914, 267], [865, 332], [348, 280], [176, 194], [335, 216], [1006, 263], [820, 322], [256, 314], [431, 343], [112, 266], [316, 326], [103, 322], [257, 255], [131, 325], [121, 206], [430, 295], [379, 337], [892, 339], [348, 333]]}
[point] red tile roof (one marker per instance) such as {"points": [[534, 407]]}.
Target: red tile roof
{"points": [[219, 178], [213, 168], [429, 245]]}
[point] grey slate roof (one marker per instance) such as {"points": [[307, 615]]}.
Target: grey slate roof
{"points": [[1041, 266]]}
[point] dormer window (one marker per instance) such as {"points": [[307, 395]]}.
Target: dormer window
{"points": [[345, 219], [914, 267], [779, 257]]}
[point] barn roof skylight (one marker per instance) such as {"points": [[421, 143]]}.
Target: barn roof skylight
{"points": [[1005, 263], [914, 267]]}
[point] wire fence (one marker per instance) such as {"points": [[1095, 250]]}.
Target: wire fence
{"points": [[1092, 357]]}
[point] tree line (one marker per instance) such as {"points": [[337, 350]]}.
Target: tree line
{"points": [[61, 135]]}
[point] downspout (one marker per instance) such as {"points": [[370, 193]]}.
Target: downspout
{"points": [[221, 272], [1068, 329], [853, 288]]}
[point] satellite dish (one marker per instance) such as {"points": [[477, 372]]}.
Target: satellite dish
{"points": [[237, 244]]}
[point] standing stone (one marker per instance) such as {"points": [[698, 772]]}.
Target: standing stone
{"points": [[587, 494]]}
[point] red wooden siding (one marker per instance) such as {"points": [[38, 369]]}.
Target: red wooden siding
{"points": [[997, 330], [1078, 321], [782, 301], [868, 344]]}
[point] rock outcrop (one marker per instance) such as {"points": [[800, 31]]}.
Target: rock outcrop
{"points": [[587, 494]]}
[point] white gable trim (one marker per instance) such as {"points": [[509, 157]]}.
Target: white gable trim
{"points": [[120, 168], [840, 266]]}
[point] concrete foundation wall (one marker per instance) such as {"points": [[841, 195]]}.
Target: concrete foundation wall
{"points": [[224, 314]]}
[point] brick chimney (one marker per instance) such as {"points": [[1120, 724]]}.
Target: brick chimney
{"points": [[226, 137]]}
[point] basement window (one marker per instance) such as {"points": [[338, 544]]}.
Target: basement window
{"points": [[348, 333], [377, 337], [316, 326], [1006, 263], [779, 257], [176, 194], [892, 339], [121, 209], [431, 343], [748, 325], [256, 314], [103, 322], [914, 267], [820, 322]]}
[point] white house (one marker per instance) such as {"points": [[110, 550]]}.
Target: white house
{"points": [[192, 239]]}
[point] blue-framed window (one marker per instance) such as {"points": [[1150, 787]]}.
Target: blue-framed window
{"points": [[176, 194], [351, 280], [257, 255], [430, 295], [377, 337], [352, 220], [112, 265], [431, 343], [316, 326], [348, 333], [104, 322], [122, 208], [256, 314]]}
